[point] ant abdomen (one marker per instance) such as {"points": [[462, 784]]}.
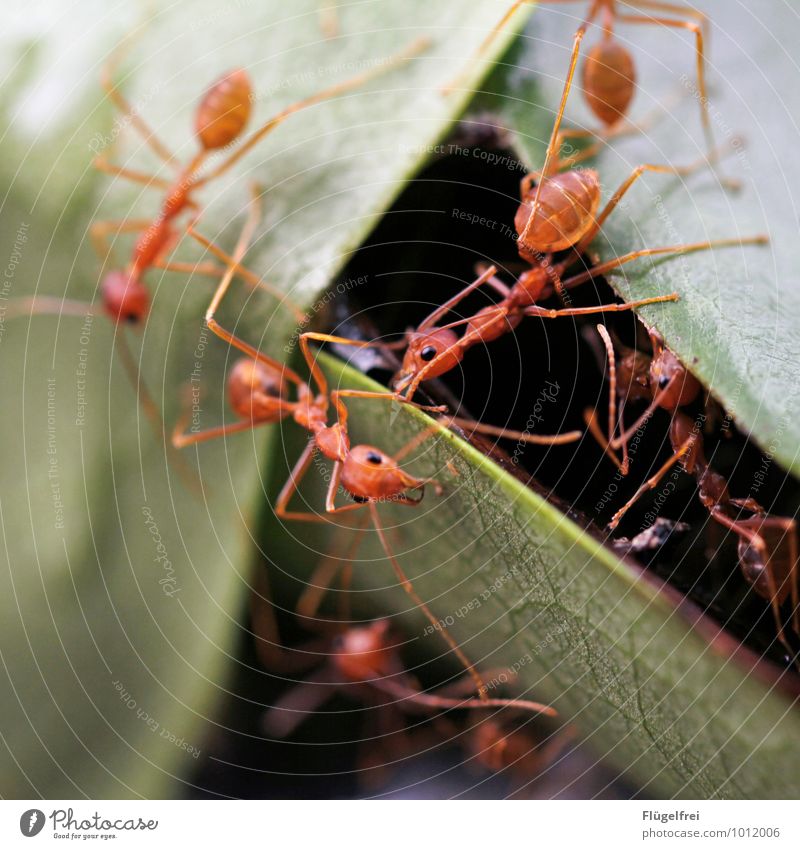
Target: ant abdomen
{"points": [[224, 110], [125, 298], [565, 212], [253, 388], [609, 81]]}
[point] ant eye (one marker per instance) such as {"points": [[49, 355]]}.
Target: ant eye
{"points": [[428, 353], [663, 381], [374, 458]]}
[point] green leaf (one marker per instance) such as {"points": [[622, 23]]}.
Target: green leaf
{"points": [[736, 323], [120, 593], [651, 684]]}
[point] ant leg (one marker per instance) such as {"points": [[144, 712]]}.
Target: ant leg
{"points": [[500, 25], [543, 312], [324, 575], [150, 180], [218, 330], [682, 170], [612, 380], [593, 426], [520, 436], [120, 101], [297, 474], [99, 232], [274, 656], [190, 268], [433, 700], [417, 46], [46, 305], [246, 274], [652, 483], [487, 276], [412, 593], [671, 250], [697, 30], [385, 396], [150, 407], [182, 438]]}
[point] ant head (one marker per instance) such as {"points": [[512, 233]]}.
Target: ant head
{"points": [[670, 377], [361, 654], [254, 389], [224, 110], [435, 348], [633, 375], [125, 298], [370, 475]]}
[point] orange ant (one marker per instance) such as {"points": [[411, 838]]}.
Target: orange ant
{"points": [[772, 570], [220, 119], [365, 659], [364, 662], [257, 390], [561, 213], [609, 71]]}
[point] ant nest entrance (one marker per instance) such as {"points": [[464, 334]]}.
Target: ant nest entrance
{"points": [[459, 215]]}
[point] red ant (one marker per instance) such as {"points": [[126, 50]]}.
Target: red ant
{"points": [[561, 213], [609, 71], [771, 569], [220, 120], [257, 389], [366, 660]]}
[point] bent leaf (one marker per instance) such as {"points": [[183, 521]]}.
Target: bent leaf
{"points": [[652, 685], [737, 319], [120, 591]]}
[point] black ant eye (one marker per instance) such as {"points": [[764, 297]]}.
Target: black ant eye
{"points": [[663, 381], [374, 458], [428, 353]]}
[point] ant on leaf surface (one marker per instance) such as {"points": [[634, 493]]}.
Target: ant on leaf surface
{"points": [[221, 118], [609, 71], [561, 212], [258, 392]]}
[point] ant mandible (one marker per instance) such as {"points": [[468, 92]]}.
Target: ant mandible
{"points": [[772, 571], [609, 71]]}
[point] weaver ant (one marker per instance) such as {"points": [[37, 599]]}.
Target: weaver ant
{"points": [[365, 660], [609, 71], [257, 390], [560, 213], [768, 547], [220, 119]]}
